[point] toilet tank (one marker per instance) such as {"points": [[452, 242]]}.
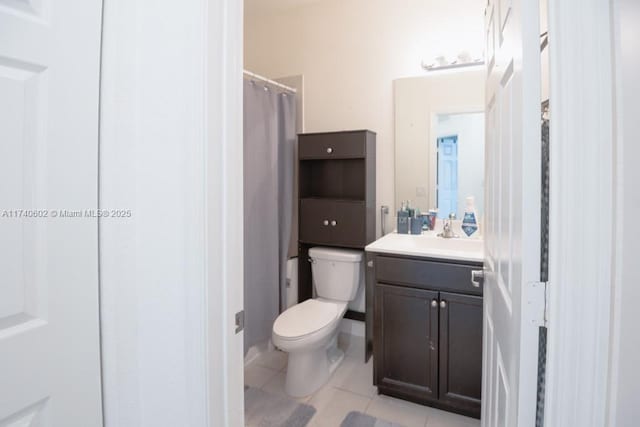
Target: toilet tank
{"points": [[337, 273]]}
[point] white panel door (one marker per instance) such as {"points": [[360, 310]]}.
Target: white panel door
{"points": [[512, 234], [49, 330]]}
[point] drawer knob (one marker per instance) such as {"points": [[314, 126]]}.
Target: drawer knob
{"points": [[325, 222], [329, 150], [434, 303], [443, 304], [334, 223]]}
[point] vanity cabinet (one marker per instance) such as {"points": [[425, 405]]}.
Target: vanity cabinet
{"points": [[427, 340]]}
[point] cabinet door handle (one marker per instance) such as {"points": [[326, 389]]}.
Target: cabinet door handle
{"points": [[443, 304], [325, 222], [476, 277], [329, 150], [434, 303], [334, 223]]}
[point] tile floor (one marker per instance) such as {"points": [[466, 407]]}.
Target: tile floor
{"points": [[349, 389]]}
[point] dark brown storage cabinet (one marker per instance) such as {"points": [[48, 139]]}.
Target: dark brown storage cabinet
{"points": [[337, 196], [428, 332]]}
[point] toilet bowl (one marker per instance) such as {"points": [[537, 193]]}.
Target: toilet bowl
{"points": [[308, 331]]}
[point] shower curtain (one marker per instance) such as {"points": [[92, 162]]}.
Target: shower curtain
{"points": [[269, 143]]}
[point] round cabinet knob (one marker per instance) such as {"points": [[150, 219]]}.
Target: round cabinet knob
{"points": [[443, 304], [329, 150], [334, 223], [434, 303], [325, 222]]}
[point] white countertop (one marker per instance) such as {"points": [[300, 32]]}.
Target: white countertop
{"points": [[428, 245]]}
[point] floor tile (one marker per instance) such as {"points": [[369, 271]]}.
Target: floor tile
{"points": [[276, 386], [275, 359], [438, 418], [332, 406], [398, 411], [257, 376], [354, 376]]}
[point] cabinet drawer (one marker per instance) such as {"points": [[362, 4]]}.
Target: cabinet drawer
{"points": [[426, 274], [332, 145], [334, 222]]}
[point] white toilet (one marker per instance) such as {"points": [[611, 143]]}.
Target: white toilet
{"points": [[308, 331]]}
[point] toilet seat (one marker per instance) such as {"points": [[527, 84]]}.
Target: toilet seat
{"points": [[307, 318]]}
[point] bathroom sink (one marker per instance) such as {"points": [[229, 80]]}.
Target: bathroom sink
{"points": [[428, 245]]}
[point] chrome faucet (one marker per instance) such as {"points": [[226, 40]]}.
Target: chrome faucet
{"points": [[447, 229]]}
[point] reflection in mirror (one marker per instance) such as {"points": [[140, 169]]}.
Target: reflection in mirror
{"points": [[439, 141], [459, 146]]}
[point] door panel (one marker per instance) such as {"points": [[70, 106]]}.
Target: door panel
{"points": [[460, 378], [512, 237], [350, 227], [49, 336], [406, 328], [315, 217]]}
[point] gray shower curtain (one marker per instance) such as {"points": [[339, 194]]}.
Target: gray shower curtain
{"points": [[269, 143]]}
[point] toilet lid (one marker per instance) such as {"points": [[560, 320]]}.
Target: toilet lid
{"points": [[305, 318]]}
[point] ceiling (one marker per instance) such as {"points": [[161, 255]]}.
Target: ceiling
{"points": [[253, 6]]}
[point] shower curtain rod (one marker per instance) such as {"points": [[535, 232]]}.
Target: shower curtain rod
{"points": [[268, 81]]}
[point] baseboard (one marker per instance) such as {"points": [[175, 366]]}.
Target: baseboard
{"points": [[352, 327]]}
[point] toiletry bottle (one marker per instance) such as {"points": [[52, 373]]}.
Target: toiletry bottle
{"points": [[410, 209], [470, 221], [403, 219], [433, 216], [416, 222]]}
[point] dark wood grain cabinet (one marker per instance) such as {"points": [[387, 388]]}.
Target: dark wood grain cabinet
{"points": [[333, 222], [427, 340], [460, 351], [408, 340], [337, 196]]}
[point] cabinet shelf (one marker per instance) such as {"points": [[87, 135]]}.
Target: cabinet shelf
{"points": [[333, 178], [336, 199]]}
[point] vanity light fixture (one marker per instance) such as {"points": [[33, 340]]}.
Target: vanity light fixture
{"points": [[462, 60]]}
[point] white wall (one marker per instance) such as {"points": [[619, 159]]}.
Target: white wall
{"points": [[418, 100], [470, 131], [350, 51], [625, 386]]}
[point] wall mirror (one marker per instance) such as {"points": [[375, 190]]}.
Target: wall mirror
{"points": [[439, 141]]}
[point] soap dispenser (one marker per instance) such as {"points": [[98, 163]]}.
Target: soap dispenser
{"points": [[470, 220]]}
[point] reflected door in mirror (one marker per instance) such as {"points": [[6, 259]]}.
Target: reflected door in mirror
{"points": [[447, 187]]}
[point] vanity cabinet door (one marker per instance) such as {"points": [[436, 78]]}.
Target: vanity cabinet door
{"points": [[461, 351], [406, 337]]}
